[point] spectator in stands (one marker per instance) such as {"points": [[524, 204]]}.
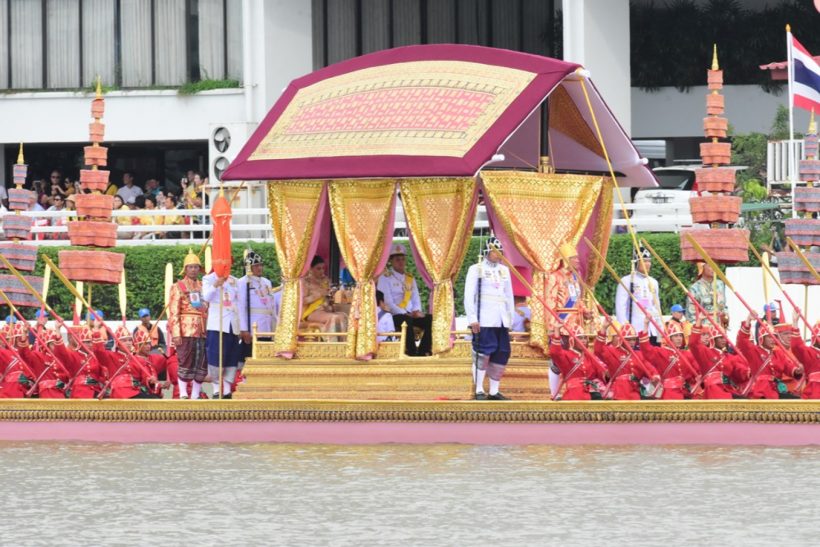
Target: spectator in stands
{"points": [[111, 189], [149, 220], [129, 190], [58, 204], [122, 221], [4, 197], [170, 203], [151, 187]]}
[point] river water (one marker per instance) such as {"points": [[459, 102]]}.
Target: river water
{"points": [[267, 494]]}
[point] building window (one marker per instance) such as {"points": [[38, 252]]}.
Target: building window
{"points": [[65, 44]]}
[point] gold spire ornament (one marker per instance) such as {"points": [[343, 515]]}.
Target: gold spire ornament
{"points": [[22, 161], [715, 65]]}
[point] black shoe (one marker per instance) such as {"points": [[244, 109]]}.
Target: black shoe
{"points": [[228, 396], [480, 396], [216, 396], [498, 397]]}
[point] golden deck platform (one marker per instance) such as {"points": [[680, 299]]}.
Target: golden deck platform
{"points": [[321, 371]]}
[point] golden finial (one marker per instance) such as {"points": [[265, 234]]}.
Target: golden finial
{"points": [[812, 124], [21, 161], [714, 58], [788, 27], [99, 87]]}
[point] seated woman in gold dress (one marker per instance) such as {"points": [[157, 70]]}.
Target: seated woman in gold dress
{"points": [[315, 306]]}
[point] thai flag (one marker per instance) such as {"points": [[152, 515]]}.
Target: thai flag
{"points": [[805, 77]]}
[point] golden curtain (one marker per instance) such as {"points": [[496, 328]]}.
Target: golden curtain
{"points": [[440, 214], [294, 206], [361, 211], [538, 212], [602, 222]]}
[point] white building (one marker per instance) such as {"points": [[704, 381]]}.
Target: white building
{"points": [[144, 50]]}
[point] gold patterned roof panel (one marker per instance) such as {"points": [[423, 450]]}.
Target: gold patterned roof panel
{"points": [[435, 110]]}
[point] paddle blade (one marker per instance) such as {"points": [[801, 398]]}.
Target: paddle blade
{"points": [[46, 281], [208, 259], [123, 297], [169, 281], [78, 303]]}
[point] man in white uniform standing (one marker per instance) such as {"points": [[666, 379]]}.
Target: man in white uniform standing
{"points": [[256, 305], [488, 302], [645, 289], [213, 288], [401, 296]]}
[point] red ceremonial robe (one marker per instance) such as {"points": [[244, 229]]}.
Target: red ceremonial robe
{"points": [[624, 368], [714, 365], [577, 369]]}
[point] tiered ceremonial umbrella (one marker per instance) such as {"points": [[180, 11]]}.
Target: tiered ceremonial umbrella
{"points": [[714, 204], [804, 231], [94, 227], [17, 228]]}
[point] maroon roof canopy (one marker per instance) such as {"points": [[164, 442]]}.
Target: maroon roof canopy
{"points": [[433, 110]]}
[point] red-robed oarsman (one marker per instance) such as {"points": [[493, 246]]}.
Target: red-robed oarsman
{"points": [[674, 371], [769, 364], [127, 374], [578, 369], [53, 381], [716, 362], [87, 375], [809, 357], [625, 369], [17, 375]]}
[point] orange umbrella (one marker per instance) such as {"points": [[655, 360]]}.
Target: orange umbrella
{"points": [[221, 220]]}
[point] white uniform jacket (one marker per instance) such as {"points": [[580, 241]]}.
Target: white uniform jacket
{"points": [[262, 305], [645, 290], [393, 286], [497, 304], [210, 294]]}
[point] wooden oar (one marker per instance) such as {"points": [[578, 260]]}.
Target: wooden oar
{"points": [[726, 281], [632, 297], [125, 350], [552, 312]]}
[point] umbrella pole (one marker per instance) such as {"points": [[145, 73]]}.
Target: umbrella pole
{"points": [[221, 297]]}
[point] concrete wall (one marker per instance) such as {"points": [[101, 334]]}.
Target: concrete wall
{"points": [[590, 40], [147, 115], [669, 113]]}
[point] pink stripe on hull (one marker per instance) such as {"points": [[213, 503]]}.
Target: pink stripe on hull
{"points": [[415, 433]]}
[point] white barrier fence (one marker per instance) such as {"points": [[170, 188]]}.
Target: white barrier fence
{"points": [[253, 223]]}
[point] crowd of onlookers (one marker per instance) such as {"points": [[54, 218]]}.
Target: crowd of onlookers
{"points": [[58, 193]]}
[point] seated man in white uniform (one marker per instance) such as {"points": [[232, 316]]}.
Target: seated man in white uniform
{"points": [[384, 319], [401, 294]]}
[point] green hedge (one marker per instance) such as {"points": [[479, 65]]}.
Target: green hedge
{"points": [[145, 274], [145, 278]]}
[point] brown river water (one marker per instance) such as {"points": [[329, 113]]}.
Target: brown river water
{"points": [[269, 494]]}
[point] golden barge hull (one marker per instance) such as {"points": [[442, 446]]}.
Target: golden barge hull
{"points": [[784, 423]]}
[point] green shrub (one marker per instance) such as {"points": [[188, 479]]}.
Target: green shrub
{"points": [[145, 274]]}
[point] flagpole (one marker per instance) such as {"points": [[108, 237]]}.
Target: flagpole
{"points": [[792, 147]]}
